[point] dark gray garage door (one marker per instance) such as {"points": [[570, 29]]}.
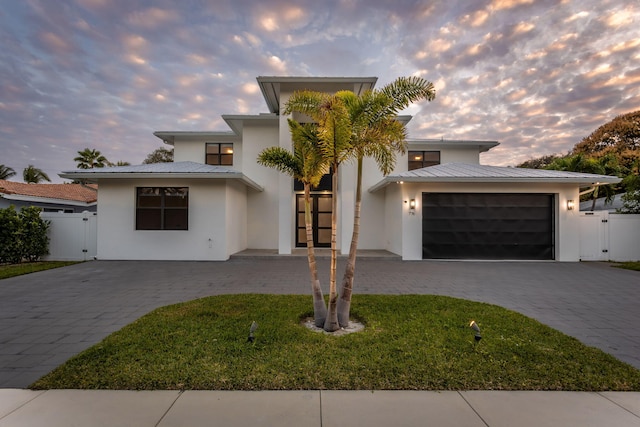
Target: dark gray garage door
{"points": [[487, 226]]}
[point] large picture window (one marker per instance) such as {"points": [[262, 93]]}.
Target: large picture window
{"points": [[422, 159], [162, 208], [219, 153]]}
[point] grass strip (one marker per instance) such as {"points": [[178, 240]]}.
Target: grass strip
{"points": [[11, 270], [410, 342]]}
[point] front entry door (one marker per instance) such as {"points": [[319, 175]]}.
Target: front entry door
{"points": [[321, 214]]}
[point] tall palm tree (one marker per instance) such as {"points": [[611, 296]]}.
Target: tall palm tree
{"points": [[334, 140], [6, 172], [605, 165], [33, 175], [376, 133], [307, 165], [90, 158]]}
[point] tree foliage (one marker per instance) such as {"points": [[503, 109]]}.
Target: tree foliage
{"points": [[631, 199], [539, 162], [620, 137], [23, 235], [90, 158], [33, 175], [6, 172], [159, 155], [605, 165]]}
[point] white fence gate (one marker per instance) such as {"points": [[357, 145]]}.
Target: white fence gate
{"points": [[608, 236], [72, 236]]}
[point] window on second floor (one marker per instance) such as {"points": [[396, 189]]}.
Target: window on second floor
{"points": [[219, 153], [422, 159]]}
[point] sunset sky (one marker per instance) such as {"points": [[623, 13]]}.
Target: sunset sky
{"points": [[537, 76]]}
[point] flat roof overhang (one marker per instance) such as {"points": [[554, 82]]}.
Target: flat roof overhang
{"points": [[272, 85]]}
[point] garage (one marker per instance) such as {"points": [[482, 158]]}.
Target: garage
{"points": [[496, 226]]}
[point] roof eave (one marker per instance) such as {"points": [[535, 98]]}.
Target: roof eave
{"points": [[169, 137], [270, 86], [531, 180], [96, 176]]}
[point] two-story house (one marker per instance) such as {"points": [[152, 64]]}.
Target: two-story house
{"points": [[214, 200]]}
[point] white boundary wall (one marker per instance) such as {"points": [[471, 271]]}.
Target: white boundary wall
{"points": [[604, 236], [608, 236], [72, 236]]}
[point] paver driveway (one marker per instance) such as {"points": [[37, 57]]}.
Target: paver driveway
{"points": [[47, 317]]}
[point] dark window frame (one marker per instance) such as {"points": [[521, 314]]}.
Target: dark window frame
{"points": [[423, 162], [160, 212], [218, 157]]}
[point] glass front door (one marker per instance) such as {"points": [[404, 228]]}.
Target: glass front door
{"points": [[321, 214]]}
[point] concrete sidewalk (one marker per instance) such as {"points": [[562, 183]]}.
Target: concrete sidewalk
{"points": [[317, 408]]}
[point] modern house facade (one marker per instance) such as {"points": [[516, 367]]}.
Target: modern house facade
{"points": [[214, 200]]}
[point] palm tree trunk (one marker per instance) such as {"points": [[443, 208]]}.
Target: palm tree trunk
{"points": [[319, 307], [331, 323], [344, 303]]}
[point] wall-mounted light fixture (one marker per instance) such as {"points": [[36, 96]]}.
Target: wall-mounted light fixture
{"points": [[570, 205], [412, 206]]}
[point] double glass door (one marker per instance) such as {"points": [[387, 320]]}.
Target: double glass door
{"points": [[321, 214]]}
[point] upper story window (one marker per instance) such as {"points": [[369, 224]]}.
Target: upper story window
{"points": [[422, 159], [162, 208], [219, 153]]}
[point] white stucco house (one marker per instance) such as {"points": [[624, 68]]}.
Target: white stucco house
{"points": [[214, 200]]}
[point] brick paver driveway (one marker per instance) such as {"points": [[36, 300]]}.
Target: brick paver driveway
{"points": [[47, 317]]}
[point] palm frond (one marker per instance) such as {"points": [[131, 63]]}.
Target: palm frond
{"points": [[282, 160]]}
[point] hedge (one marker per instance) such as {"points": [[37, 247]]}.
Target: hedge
{"points": [[23, 235]]}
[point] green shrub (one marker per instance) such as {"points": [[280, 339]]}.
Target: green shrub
{"points": [[23, 235]]}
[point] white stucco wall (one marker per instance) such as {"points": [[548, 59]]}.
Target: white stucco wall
{"points": [[459, 156], [262, 207], [236, 216], [372, 215], [567, 241], [394, 211], [206, 238], [193, 149]]}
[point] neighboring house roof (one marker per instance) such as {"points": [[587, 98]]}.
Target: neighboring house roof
{"points": [[162, 170], [602, 204], [71, 194], [463, 172]]}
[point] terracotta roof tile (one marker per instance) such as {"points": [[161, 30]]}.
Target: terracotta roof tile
{"points": [[75, 192]]}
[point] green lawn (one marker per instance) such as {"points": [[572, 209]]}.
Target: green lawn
{"points": [[631, 265], [11, 270], [410, 342]]}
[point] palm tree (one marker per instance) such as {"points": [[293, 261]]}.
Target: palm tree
{"points": [[334, 141], [605, 165], [6, 172], [376, 133], [90, 158], [307, 165], [33, 175]]}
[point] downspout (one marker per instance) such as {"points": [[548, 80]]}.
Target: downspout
{"points": [[590, 190]]}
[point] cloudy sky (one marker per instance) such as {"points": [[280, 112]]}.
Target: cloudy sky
{"points": [[535, 75]]}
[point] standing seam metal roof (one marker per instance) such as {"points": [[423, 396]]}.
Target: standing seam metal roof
{"points": [[463, 172]]}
